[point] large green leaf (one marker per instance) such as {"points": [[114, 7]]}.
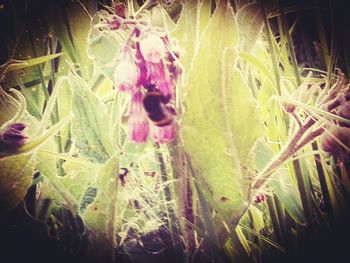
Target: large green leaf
{"points": [[90, 128], [221, 122]]}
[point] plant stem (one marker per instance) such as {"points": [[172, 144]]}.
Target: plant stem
{"points": [[185, 196], [285, 153], [171, 216]]}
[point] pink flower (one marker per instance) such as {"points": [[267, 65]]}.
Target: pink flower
{"points": [[138, 124], [147, 67], [152, 48], [126, 74], [142, 66], [163, 134]]}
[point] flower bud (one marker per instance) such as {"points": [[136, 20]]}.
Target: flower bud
{"points": [[14, 135], [260, 198], [288, 107]]}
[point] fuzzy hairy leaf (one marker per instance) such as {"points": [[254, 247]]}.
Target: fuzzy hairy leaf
{"points": [[32, 62], [91, 123], [194, 18], [103, 47], [221, 116], [250, 21]]}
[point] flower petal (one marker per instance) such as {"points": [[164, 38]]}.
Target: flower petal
{"points": [[152, 48], [126, 75], [163, 134]]}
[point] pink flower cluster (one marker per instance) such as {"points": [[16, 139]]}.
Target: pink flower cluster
{"points": [[147, 64]]}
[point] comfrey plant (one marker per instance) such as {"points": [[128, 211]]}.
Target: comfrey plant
{"points": [[328, 117], [147, 68]]}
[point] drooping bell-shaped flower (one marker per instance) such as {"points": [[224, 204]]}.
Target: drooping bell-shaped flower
{"points": [[138, 124], [14, 135], [126, 74], [148, 67], [152, 48], [163, 134]]}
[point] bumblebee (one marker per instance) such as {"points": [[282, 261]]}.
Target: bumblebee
{"points": [[158, 109]]}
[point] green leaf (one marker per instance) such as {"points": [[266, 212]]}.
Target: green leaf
{"points": [[287, 192], [193, 20], [90, 128], [32, 62], [11, 110], [79, 20], [100, 215], [259, 65], [53, 187], [221, 122], [16, 176], [103, 47], [250, 22], [78, 177]]}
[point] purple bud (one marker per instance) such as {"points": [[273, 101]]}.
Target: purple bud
{"points": [[18, 126], [115, 24], [14, 135], [120, 10], [288, 107], [260, 198]]}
